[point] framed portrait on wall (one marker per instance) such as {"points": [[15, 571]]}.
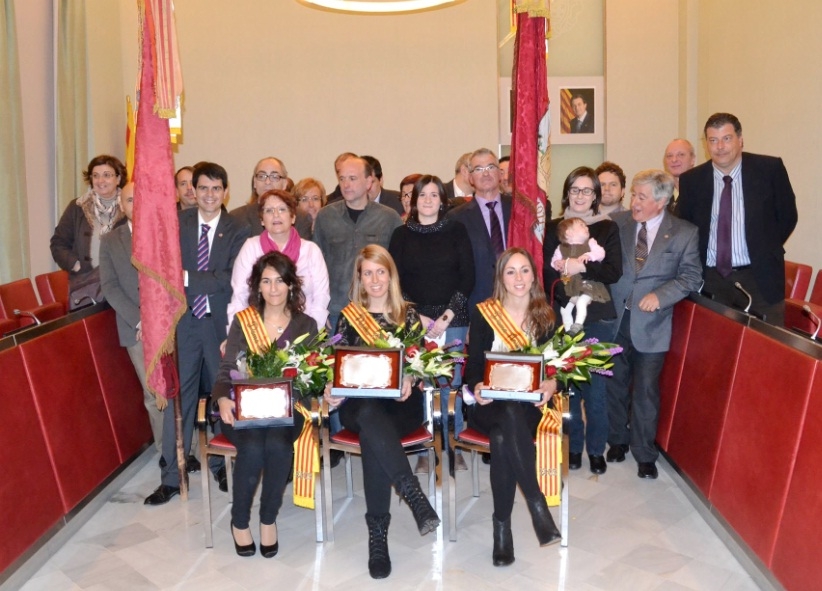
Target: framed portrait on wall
{"points": [[577, 113]]}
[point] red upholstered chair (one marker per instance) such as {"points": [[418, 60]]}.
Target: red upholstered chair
{"points": [[816, 293], [7, 325], [53, 287], [471, 440], [19, 295], [797, 280], [348, 442]]}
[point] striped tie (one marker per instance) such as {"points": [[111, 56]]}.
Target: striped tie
{"points": [[201, 301], [641, 251], [496, 229]]}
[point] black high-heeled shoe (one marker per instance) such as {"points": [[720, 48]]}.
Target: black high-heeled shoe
{"points": [[503, 553], [269, 551], [544, 526], [245, 551]]}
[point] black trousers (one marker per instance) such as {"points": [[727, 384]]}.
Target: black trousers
{"points": [[381, 423], [266, 452], [511, 427]]}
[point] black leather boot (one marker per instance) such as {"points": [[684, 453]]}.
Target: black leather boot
{"points": [[379, 563], [544, 526], [503, 554], [424, 514]]}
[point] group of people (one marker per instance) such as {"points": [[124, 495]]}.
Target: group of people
{"points": [[292, 260]]}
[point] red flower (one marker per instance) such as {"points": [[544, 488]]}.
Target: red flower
{"points": [[312, 358], [411, 351], [550, 371], [431, 345], [290, 372], [584, 353]]}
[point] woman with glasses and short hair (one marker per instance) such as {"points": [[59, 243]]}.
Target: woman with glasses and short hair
{"points": [[311, 197]]}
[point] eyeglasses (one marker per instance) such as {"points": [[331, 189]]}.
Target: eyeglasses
{"points": [[104, 175], [406, 195], [587, 191], [310, 198], [481, 169], [273, 177], [277, 210]]}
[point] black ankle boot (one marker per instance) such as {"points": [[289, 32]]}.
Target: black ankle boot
{"points": [[544, 526], [409, 489], [503, 554], [379, 563]]}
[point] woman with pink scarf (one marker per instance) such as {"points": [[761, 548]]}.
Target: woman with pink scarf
{"points": [[278, 210]]}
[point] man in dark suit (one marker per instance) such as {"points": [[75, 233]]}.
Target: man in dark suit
{"points": [[377, 193], [660, 266], [745, 209], [211, 235], [119, 283], [584, 120], [486, 218], [459, 189]]}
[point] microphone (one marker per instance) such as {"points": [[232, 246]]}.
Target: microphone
{"points": [[85, 297], [807, 309], [28, 314], [738, 285]]}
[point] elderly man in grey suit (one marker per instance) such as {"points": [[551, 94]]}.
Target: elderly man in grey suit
{"points": [[118, 280], [660, 260]]}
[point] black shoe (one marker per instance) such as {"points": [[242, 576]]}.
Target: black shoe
{"points": [[247, 550], [574, 461], [269, 551], [192, 464], [544, 526], [598, 465], [647, 470], [336, 455], [503, 553], [221, 479], [486, 458], [162, 462], [162, 495], [426, 517], [379, 562], [616, 453]]}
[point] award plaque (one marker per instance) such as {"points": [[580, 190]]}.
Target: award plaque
{"points": [[263, 402], [512, 376], [364, 372]]}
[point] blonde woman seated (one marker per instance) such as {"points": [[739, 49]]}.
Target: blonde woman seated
{"points": [[376, 303], [510, 425]]}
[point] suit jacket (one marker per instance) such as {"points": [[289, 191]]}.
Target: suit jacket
{"points": [[770, 215], [216, 280], [249, 215], [484, 257], [452, 198], [671, 271], [587, 124], [391, 199], [119, 282]]}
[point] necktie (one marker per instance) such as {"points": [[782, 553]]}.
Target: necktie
{"points": [[641, 252], [201, 301], [723, 230], [496, 229]]}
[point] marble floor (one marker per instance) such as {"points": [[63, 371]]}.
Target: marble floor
{"points": [[625, 534]]}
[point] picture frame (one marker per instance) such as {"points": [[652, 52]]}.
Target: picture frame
{"points": [[263, 402], [563, 93], [367, 372], [513, 376]]}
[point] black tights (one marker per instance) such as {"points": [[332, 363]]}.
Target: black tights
{"points": [[267, 451], [510, 426], [381, 423]]}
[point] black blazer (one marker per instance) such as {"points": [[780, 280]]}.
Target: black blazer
{"points": [[485, 258], [770, 215], [216, 281], [587, 124], [391, 199]]}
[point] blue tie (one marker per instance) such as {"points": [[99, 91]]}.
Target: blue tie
{"points": [[496, 229], [201, 301]]}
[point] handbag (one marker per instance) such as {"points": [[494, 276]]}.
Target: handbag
{"points": [[85, 290]]}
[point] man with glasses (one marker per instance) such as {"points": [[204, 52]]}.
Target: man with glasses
{"points": [[486, 218], [270, 173]]}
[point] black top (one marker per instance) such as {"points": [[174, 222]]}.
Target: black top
{"points": [[436, 267], [299, 325], [606, 271]]}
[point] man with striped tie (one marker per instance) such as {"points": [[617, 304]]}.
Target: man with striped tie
{"points": [[209, 242], [660, 266]]}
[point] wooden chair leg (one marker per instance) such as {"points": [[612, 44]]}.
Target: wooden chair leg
{"points": [[205, 476], [349, 477], [475, 472]]}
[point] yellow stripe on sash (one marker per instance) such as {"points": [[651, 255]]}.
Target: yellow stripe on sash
{"points": [[306, 462], [363, 322], [502, 323], [254, 330], [549, 451]]}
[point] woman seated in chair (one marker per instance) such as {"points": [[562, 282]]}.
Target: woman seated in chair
{"points": [[376, 303], [510, 426], [275, 314]]}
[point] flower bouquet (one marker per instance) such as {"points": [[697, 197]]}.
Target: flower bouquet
{"points": [[429, 361]]}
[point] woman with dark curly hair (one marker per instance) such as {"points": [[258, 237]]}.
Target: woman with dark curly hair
{"points": [[75, 245], [275, 309]]}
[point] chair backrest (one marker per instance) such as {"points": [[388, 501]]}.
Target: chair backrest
{"points": [[17, 294], [816, 294], [53, 287], [797, 280]]}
